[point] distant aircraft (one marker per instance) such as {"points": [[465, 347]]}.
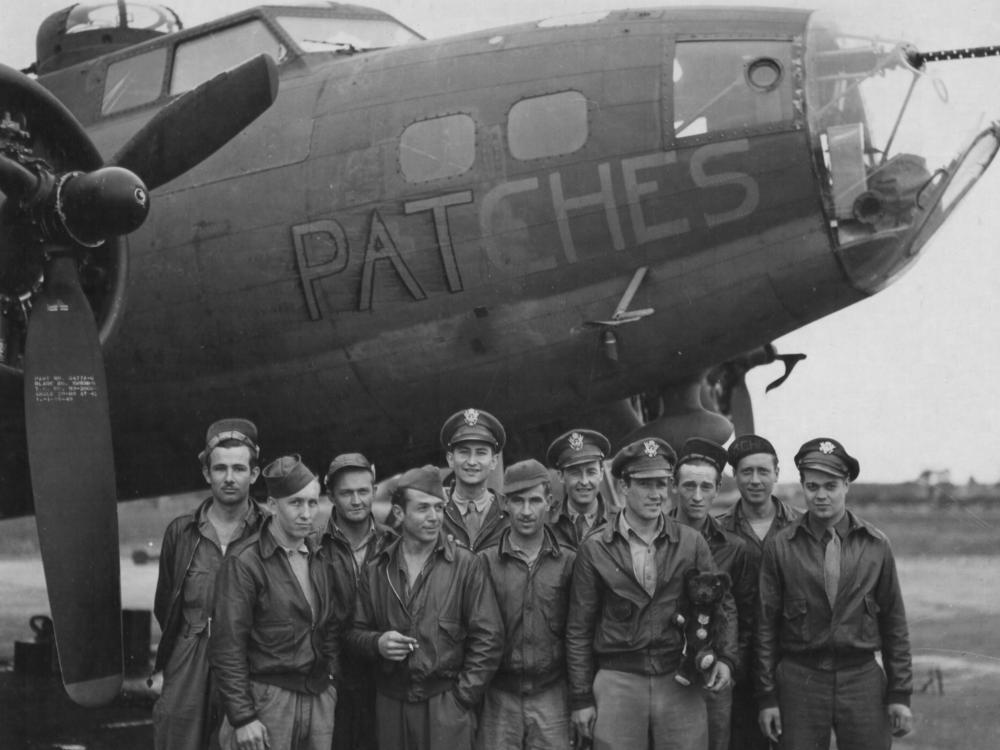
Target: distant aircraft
{"points": [[600, 220]]}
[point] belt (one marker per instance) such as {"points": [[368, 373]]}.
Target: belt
{"points": [[831, 661]]}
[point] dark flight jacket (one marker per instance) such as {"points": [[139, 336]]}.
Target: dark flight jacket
{"points": [[795, 620], [453, 614], [533, 602], [734, 556], [180, 543], [497, 519], [264, 628], [735, 522], [615, 624], [565, 530]]}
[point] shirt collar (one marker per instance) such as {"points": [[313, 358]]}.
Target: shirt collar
{"points": [[843, 527], [624, 527]]}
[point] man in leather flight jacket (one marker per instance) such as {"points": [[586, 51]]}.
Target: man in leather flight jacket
{"points": [[426, 610], [275, 638], [622, 649], [829, 599]]}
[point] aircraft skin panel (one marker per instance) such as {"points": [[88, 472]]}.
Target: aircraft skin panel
{"points": [[300, 265]]}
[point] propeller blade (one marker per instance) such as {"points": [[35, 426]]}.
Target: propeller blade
{"points": [[741, 408], [199, 122], [73, 479]]}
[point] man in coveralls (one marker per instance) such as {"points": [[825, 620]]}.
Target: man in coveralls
{"points": [[194, 544]]}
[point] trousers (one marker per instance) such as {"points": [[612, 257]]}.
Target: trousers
{"points": [[525, 722], [848, 702], [438, 723], [639, 711], [294, 721]]}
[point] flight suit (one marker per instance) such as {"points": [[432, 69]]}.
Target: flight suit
{"points": [[188, 712]]}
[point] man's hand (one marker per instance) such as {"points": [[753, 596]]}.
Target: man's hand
{"points": [[396, 646], [770, 723], [252, 736], [900, 719], [583, 721], [719, 678]]}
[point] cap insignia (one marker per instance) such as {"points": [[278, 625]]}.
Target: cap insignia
{"points": [[576, 441], [471, 417], [650, 448], [826, 447]]}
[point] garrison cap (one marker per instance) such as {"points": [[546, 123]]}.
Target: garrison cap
{"points": [[286, 475], [233, 428], [577, 447], [524, 475], [644, 459], [700, 449], [827, 455], [347, 461], [748, 445], [473, 425], [426, 479]]}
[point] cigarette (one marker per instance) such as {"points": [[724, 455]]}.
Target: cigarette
{"points": [[410, 646]]}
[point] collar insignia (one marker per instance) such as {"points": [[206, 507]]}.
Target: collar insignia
{"points": [[826, 447], [576, 441], [650, 448]]}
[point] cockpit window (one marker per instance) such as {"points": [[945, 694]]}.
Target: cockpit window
{"points": [[314, 34], [134, 81], [731, 85], [88, 17], [549, 125], [437, 148], [198, 60]]}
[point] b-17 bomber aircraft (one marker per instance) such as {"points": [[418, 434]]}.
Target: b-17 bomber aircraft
{"points": [[312, 217]]}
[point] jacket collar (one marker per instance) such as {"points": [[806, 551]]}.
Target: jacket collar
{"points": [[251, 516], [334, 533], [599, 515], [444, 547], [550, 545], [854, 524], [711, 529], [669, 529], [269, 545]]}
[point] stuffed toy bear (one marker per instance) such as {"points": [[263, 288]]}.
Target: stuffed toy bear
{"points": [[698, 616]]}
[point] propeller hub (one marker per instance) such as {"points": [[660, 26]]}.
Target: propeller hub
{"points": [[107, 202]]}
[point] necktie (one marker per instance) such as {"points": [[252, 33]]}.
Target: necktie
{"points": [[473, 522], [581, 526], [831, 567]]}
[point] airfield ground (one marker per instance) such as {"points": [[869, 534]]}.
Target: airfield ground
{"points": [[949, 565]]}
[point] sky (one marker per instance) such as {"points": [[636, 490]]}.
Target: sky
{"points": [[903, 378]]}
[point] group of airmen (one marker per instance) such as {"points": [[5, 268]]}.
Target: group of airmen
{"points": [[483, 619]]}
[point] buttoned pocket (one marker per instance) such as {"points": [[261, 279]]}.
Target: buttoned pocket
{"points": [[796, 621]]}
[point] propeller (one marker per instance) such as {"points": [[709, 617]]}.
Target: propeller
{"points": [[52, 216]]}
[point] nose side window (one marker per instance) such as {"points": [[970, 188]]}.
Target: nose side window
{"points": [[731, 86]]}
